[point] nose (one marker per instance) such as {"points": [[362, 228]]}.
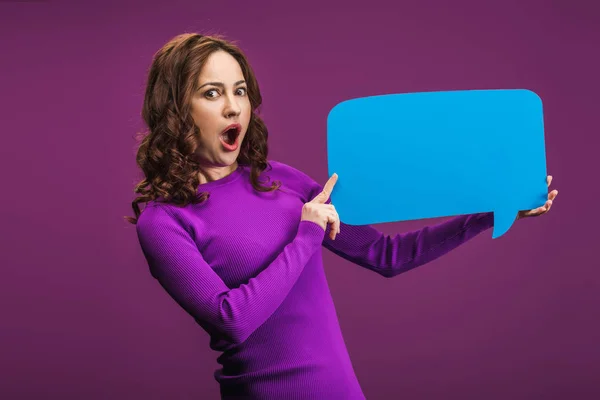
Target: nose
{"points": [[231, 108]]}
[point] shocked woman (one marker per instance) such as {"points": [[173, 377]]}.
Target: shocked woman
{"points": [[241, 255]]}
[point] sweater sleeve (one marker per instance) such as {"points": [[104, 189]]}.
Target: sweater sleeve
{"points": [[391, 255], [176, 262]]}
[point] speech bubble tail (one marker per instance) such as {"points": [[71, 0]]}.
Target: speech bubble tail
{"points": [[503, 220]]}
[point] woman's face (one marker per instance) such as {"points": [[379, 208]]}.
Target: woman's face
{"points": [[220, 101]]}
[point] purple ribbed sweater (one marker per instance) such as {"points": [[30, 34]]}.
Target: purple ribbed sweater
{"points": [[251, 274]]}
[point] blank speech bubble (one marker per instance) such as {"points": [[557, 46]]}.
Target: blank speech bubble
{"points": [[422, 155]]}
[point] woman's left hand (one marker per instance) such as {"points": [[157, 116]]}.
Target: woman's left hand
{"points": [[543, 209]]}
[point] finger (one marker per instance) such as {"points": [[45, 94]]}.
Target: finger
{"points": [[328, 188], [322, 197], [331, 222], [553, 194], [549, 179], [336, 225], [536, 211], [543, 209]]}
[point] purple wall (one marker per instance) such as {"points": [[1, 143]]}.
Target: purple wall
{"points": [[81, 317]]}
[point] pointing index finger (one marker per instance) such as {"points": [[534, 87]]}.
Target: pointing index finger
{"points": [[327, 189], [330, 184]]}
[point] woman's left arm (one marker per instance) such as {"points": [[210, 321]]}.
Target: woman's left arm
{"points": [[391, 255]]}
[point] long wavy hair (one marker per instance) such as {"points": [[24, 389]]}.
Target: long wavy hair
{"points": [[166, 153]]}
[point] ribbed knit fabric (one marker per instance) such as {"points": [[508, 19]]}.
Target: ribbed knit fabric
{"points": [[251, 274]]}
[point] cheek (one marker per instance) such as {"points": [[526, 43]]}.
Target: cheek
{"points": [[205, 121]]}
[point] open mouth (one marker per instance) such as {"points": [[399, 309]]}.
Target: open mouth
{"points": [[230, 135]]}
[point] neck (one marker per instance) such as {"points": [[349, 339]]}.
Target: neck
{"points": [[211, 173]]}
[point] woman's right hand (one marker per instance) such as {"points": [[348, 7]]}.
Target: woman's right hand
{"points": [[323, 214]]}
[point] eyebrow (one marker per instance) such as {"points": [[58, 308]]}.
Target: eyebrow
{"points": [[219, 84]]}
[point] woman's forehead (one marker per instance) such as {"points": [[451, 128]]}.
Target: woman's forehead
{"points": [[222, 67]]}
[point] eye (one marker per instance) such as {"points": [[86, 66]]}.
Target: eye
{"points": [[207, 93], [244, 90]]}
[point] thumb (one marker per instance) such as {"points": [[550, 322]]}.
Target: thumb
{"points": [[322, 197]]}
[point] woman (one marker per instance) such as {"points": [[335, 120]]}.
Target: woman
{"points": [[240, 255]]}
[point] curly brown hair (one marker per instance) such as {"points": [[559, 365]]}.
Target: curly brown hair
{"points": [[167, 149]]}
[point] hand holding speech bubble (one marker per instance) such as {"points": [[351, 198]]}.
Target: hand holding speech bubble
{"points": [[432, 154]]}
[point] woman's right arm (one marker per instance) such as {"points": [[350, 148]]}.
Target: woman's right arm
{"points": [[175, 261]]}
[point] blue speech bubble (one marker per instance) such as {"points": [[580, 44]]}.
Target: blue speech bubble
{"points": [[411, 156]]}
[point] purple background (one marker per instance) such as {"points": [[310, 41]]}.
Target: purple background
{"points": [[81, 317]]}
